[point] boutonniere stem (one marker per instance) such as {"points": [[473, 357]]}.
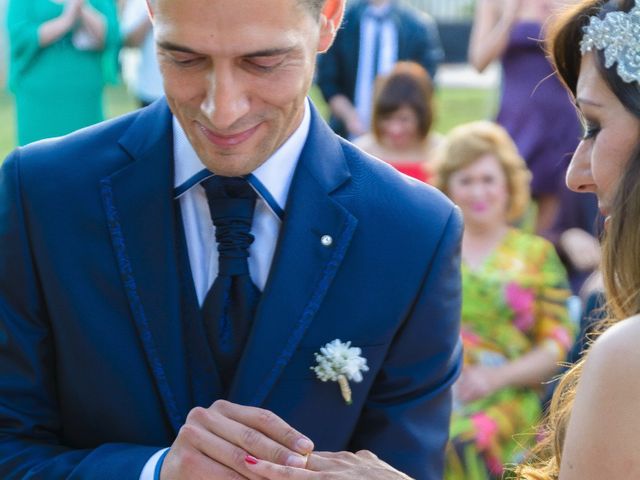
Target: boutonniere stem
{"points": [[340, 362], [345, 389]]}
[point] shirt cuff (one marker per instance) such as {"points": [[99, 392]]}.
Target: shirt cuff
{"points": [[148, 472]]}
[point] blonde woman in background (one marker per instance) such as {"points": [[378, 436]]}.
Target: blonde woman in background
{"points": [[515, 325]]}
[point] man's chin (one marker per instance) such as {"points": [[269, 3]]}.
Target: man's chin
{"points": [[228, 164]]}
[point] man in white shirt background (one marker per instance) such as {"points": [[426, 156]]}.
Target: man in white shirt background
{"points": [[375, 35]]}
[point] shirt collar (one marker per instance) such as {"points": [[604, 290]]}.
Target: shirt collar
{"points": [[275, 174]]}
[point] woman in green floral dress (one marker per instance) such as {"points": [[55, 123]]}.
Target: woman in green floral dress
{"points": [[61, 54], [515, 324]]}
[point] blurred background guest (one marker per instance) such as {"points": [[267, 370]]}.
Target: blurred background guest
{"points": [[374, 36], [144, 81], [533, 105], [515, 323], [61, 54], [402, 119], [575, 234]]}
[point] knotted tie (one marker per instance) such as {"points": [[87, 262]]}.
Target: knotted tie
{"points": [[230, 304]]}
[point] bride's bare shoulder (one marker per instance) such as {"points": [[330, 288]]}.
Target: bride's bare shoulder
{"points": [[602, 434], [614, 355], [622, 338]]}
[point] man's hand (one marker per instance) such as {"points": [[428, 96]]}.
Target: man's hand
{"points": [[214, 442]]}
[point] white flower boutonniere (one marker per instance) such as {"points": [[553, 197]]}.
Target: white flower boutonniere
{"points": [[340, 362]]}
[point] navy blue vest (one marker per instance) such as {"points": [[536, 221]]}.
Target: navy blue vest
{"points": [[203, 374]]}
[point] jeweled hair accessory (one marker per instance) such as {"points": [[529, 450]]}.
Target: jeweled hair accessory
{"points": [[618, 35]]}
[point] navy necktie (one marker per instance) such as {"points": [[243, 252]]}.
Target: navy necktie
{"points": [[230, 304]]}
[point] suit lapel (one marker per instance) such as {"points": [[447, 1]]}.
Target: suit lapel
{"points": [[303, 266], [139, 204]]}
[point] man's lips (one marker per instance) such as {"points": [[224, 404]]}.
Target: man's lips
{"points": [[226, 141]]}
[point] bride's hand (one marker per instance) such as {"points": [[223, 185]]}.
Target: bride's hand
{"points": [[330, 465]]}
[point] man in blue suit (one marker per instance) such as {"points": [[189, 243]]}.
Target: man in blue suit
{"points": [[375, 35], [108, 259]]}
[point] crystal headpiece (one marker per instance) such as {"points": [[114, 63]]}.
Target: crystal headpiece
{"points": [[618, 34]]}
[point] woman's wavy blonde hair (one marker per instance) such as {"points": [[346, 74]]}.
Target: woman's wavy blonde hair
{"points": [[466, 143], [621, 246]]}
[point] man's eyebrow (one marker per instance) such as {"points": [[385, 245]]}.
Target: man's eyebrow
{"points": [[269, 52], [166, 45]]}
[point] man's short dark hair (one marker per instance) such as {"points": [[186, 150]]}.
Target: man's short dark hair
{"points": [[315, 6]]}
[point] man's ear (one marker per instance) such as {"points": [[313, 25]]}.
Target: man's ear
{"points": [[330, 20], [149, 9]]}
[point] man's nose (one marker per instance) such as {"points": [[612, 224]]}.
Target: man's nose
{"points": [[579, 177], [226, 100]]}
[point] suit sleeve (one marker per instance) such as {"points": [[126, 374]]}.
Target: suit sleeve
{"points": [[406, 417], [32, 442]]}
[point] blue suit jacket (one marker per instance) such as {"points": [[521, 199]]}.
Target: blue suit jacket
{"points": [[92, 353]]}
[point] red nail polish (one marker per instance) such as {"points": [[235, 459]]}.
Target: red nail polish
{"points": [[250, 460]]}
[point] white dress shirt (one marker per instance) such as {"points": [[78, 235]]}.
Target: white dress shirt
{"points": [[271, 181]]}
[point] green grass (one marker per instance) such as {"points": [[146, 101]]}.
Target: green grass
{"points": [[454, 106], [118, 101]]}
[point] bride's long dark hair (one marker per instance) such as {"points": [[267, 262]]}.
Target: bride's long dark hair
{"points": [[621, 246]]}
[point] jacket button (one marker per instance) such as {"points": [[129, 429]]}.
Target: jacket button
{"points": [[326, 240]]}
